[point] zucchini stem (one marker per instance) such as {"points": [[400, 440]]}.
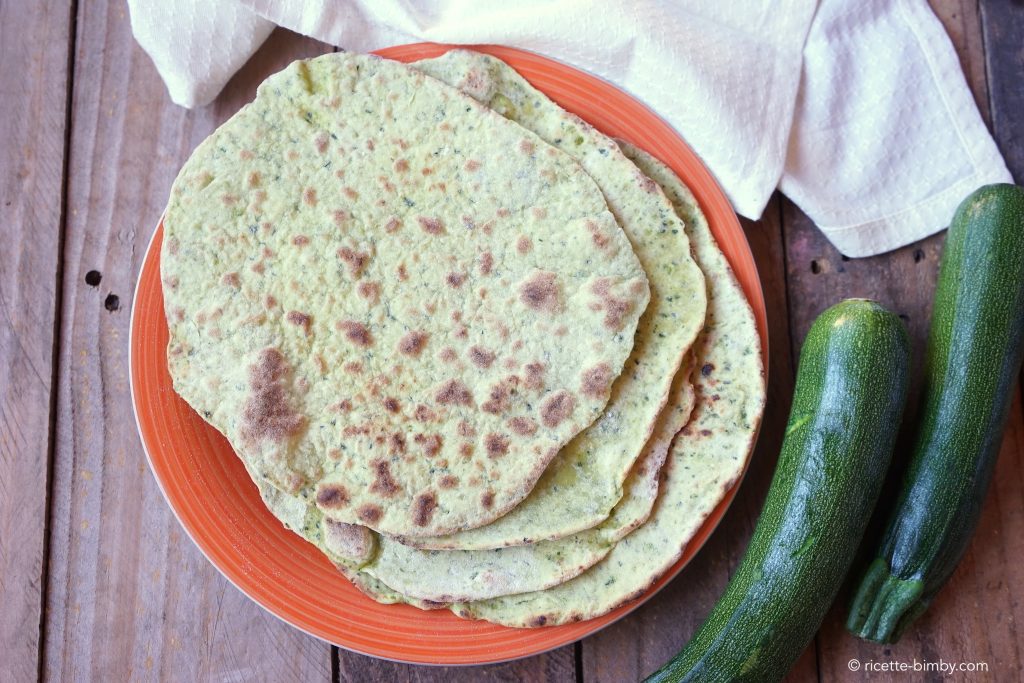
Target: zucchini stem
{"points": [[885, 604]]}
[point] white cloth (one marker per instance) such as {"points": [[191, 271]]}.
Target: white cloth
{"points": [[859, 112]]}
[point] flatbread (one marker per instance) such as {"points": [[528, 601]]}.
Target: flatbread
{"points": [[459, 575], [586, 479], [704, 461], [396, 304], [430, 578]]}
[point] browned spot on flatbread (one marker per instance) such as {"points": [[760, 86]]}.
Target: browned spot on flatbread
{"points": [[396, 442], [448, 482], [615, 312], [499, 399], [401, 166], [299, 319], [534, 375], [350, 193], [309, 196], [356, 332], [300, 240], [424, 413], [616, 309], [430, 443], [486, 263], [448, 355], [472, 165], [269, 301], [321, 140], [369, 291], [596, 381], [487, 499], [455, 279], [392, 225], [355, 261], [339, 217], [425, 505], [466, 429], [526, 146], [454, 392], [539, 212], [370, 513], [431, 226], [523, 426], [599, 238], [556, 408], [481, 357], [496, 444], [539, 620], [645, 183], [231, 280], [466, 450], [331, 496], [391, 404], [383, 482], [524, 245], [266, 415], [540, 292], [413, 343]]}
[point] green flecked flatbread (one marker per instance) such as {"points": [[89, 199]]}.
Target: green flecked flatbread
{"points": [[396, 304], [429, 578], [705, 459], [586, 479], [672, 318]]}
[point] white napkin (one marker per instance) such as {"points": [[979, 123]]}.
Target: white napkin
{"points": [[859, 112]]}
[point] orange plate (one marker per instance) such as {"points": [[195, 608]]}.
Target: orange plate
{"points": [[220, 508]]}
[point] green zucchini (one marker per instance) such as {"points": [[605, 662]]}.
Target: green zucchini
{"points": [[847, 405], [972, 362]]}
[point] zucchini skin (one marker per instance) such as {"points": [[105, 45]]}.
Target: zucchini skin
{"points": [[850, 391], [973, 359]]}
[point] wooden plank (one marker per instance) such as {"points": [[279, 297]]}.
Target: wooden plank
{"points": [[643, 641], [1004, 35], [974, 617], [129, 595], [557, 666], [34, 44]]}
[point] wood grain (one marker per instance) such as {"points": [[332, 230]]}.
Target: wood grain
{"points": [[129, 596], [557, 666], [34, 44], [1004, 52]]}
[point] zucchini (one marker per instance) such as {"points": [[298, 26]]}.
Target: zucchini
{"points": [[972, 362], [847, 405]]}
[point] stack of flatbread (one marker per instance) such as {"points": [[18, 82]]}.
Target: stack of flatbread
{"points": [[481, 355]]}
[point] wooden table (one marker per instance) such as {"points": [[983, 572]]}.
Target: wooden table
{"points": [[97, 580]]}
